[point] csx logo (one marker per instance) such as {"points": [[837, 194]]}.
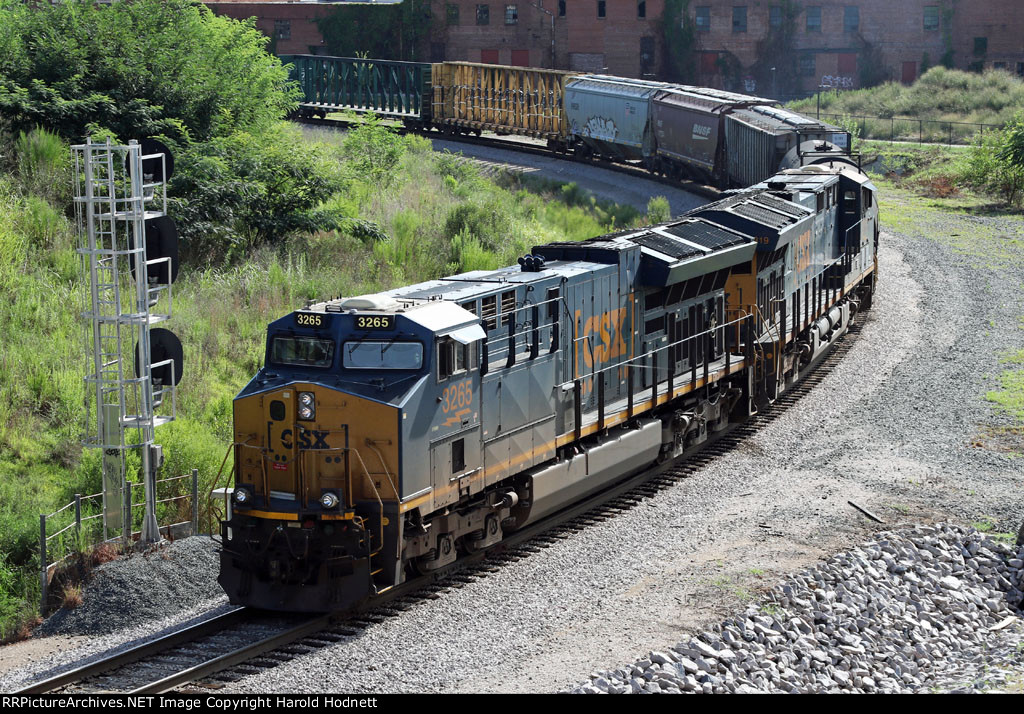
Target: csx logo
{"points": [[308, 439], [803, 251], [609, 330]]}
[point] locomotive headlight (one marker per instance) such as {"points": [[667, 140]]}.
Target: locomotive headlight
{"points": [[328, 500], [307, 405], [242, 496]]}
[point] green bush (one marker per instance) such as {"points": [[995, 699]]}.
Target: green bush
{"points": [[137, 68], [658, 210], [233, 193], [994, 163]]}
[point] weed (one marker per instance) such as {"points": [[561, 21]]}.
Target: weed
{"points": [[72, 597]]}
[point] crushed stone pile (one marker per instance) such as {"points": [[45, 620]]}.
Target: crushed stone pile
{"points": [[142, 587], [930, 608]]}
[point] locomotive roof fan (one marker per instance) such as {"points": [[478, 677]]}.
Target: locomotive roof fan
{"points": [[163, 345]]}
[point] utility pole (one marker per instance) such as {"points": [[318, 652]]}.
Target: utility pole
{"points": [[540, 6]]}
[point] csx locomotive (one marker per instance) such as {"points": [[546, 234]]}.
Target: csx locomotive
{"points": [[390, 433]]}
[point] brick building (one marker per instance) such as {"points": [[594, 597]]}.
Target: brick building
{"points": [[620, 37], [846, 43], [775, 47]]}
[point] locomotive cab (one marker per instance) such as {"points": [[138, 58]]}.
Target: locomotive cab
{"points": [[318, 448]]}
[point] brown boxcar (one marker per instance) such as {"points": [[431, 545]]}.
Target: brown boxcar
{"points": [[506, 100]]}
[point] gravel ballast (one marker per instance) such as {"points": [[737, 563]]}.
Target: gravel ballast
{"points": [[929, 608], [150, 585]]}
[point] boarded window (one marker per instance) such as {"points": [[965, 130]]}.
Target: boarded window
{"points": [[909, 72], [848, 64], [703, 19], [814, 19], [739, 19], [708, 63], [851, 18], [520, 58], [489, 56]]}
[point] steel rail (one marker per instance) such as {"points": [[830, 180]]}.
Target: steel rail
{"points": [[139, 652]]}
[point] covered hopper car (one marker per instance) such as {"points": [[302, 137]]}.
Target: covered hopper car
{"points": [[388, 434], [726, 139]]}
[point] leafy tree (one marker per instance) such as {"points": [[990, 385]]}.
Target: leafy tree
{"points": [[680, 38], [137, 68], [996, 162], [244, 189], [395, 31]]}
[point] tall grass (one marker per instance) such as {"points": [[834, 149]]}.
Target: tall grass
{"points": [[939, 95]]}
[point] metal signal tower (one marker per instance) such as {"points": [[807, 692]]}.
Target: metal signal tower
{"points": [[129, 251]]}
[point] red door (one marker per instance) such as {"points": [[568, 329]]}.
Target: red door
{"points": [[520, 58], [909, 72], [847, 64], [489, 56]]}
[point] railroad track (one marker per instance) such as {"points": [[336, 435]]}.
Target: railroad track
{"points": [[244, 642], [524, 147]]}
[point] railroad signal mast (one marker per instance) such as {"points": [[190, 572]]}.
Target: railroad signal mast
{"points": [[129, 252]]}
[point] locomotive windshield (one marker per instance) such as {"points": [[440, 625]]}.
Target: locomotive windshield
{"points": [[381, 354], [301, 351]]}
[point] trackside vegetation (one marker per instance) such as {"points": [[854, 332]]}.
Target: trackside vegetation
{"points": [[270, 216]]}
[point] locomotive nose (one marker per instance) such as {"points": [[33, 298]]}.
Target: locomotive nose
{"points": [[292, 456]]}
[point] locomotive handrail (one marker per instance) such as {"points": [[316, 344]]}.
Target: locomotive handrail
{"points": [[634, 361]]}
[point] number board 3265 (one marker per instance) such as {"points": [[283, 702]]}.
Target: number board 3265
{"points": [[375, 322]]}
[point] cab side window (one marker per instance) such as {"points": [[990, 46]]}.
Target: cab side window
{"points": [[453, 358]]}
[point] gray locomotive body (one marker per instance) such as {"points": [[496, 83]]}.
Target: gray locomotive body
{"points": [[390, 433]]}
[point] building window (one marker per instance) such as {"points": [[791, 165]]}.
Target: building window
{"points": [[1020, 69], [739, 19], [814, 19], [641, 9], [452, 13], [283, 29], [980, 45], [600, 8], [703, 19], [775, 17], [483, 14], [511, 14], [999, 65], [807, 65], [931, 18], [561, 8], [851, 18]]}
